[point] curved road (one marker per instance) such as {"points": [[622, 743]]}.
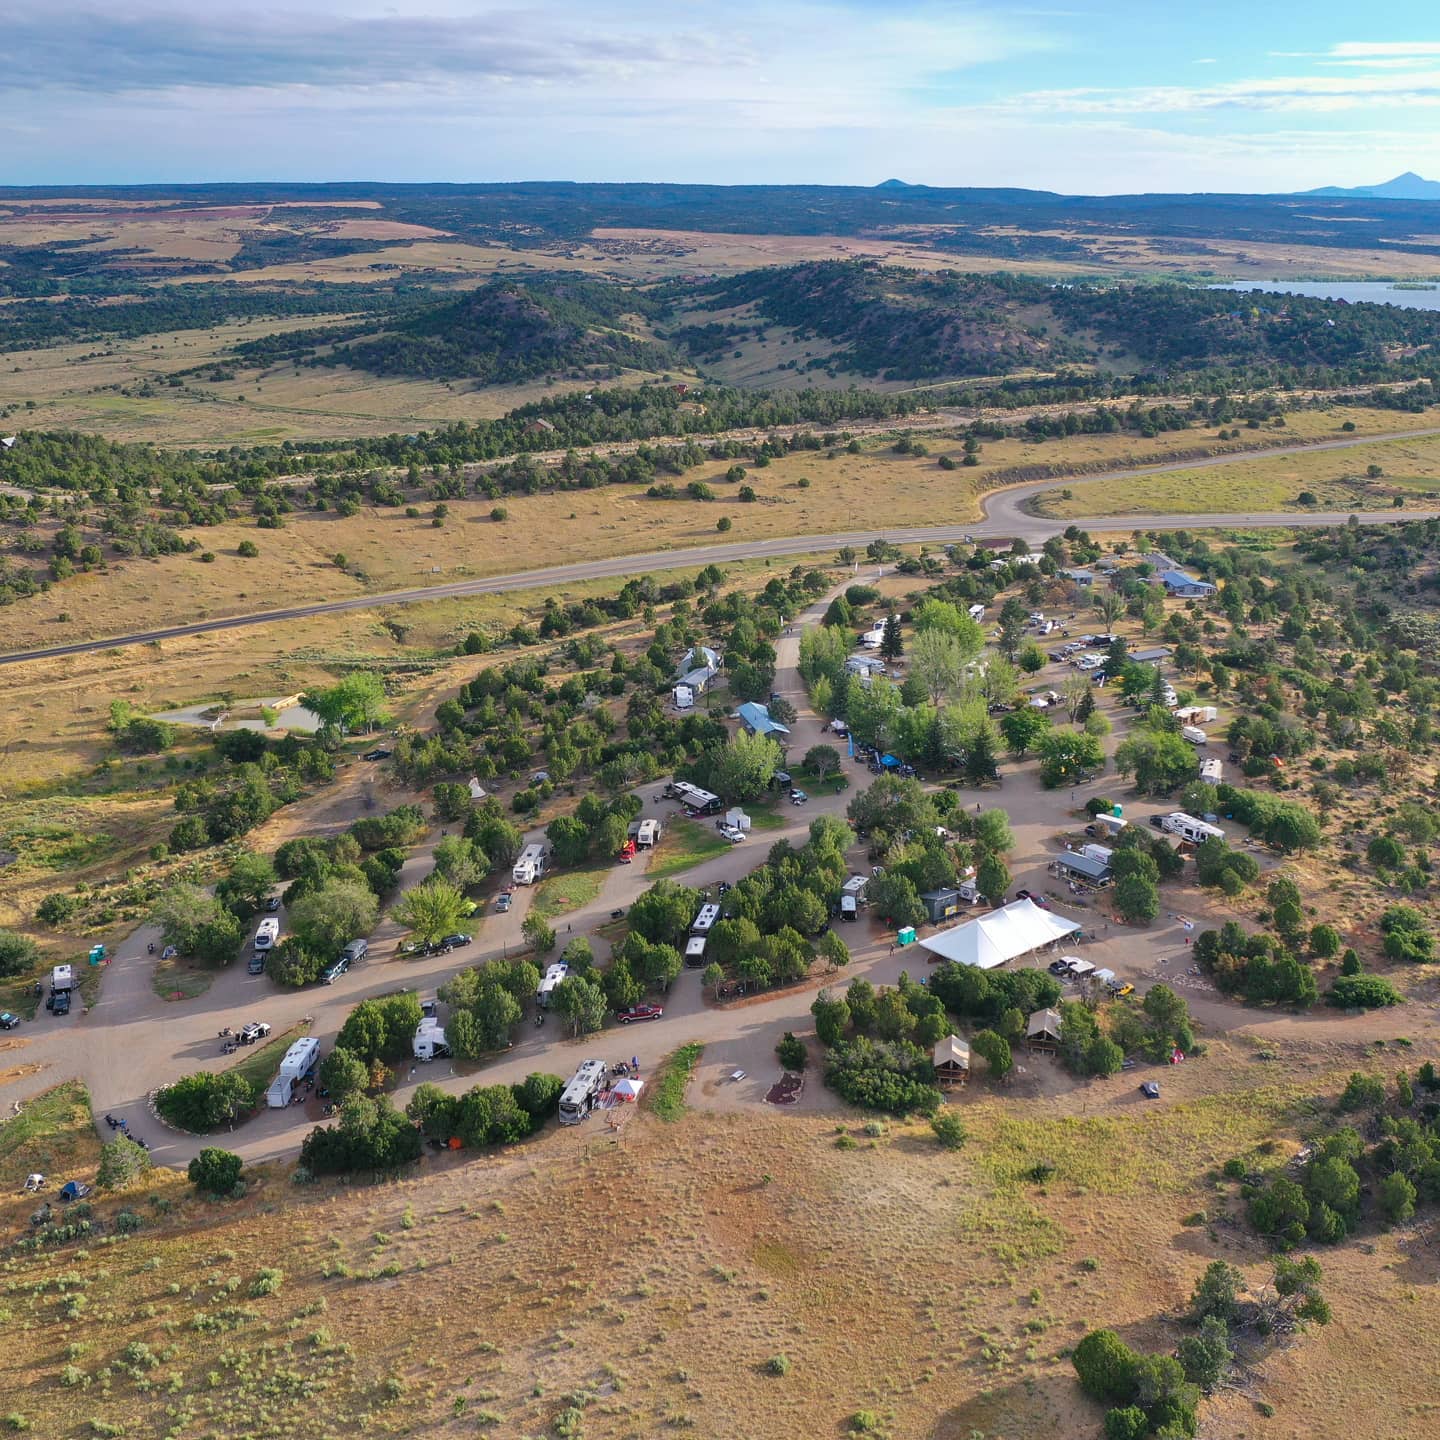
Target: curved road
{"points": [[1003, 512]]}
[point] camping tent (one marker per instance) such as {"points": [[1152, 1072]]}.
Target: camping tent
{"points": [[628, 1089], [889, 762], [952, 1060], [1043, 1028], [1002, 935]]}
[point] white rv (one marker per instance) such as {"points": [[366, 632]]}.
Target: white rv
{"points": [[554, 977], [693, 797], [429, 1042], [648, 833], [299, 1060], [1187, 827], [579, 1096], [1212, 771], [704, 922], [267, 934], [530, 866], [695, 952], [1194, 734]]}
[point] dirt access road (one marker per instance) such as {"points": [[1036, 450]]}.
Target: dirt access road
{"points": [[133, 1041], [1004, 517]]}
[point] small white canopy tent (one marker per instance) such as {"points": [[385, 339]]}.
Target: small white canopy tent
{"points": [[1017, 929], [628, 1089]]}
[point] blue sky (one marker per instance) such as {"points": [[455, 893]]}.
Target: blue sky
{"points": [[1097, 96]]}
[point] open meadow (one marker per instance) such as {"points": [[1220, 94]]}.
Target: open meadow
{"points": [[715, 1276], [1368, 477]]}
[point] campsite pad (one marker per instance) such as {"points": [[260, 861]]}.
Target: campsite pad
{"points": [[786, 1091]]}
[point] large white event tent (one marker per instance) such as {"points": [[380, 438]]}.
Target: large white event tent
{"points": [[1014, 930]]}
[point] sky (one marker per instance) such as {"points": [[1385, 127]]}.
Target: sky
{"points": [[1095, 96]]}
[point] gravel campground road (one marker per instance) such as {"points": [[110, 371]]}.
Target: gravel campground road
{"points": [[1003, 511]]}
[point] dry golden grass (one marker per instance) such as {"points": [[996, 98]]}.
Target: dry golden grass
{"points": [[647, 1282], [1337, 479]]}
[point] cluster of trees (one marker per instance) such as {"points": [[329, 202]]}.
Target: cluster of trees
{"points": [[1346, 1174], [486, 1114], [597, 827], [1160, 1394], [1285, 824], [205, 1101], [136, 732], [259, 777], [486, 1002], [371, 1137], [374, 1033]]}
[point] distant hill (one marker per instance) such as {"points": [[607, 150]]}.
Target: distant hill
{"points": [[1408, 186], [896, 185], [895, 324]]}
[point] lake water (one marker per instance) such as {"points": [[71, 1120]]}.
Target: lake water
{"points": [[1380, 292]]}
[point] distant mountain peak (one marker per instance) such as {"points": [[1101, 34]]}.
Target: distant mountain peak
{"points": [[1408, 186], [896, 185]]}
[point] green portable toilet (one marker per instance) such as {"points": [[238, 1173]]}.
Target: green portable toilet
{"points": [[97, 954]]}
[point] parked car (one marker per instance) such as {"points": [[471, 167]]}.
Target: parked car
{"points": [[255, 1030], [1035, 899], [798, 797], [8, 1021], [455, 941], [335, 971], [1121, 991], [639, 1012], [257, 963], [272, 904], [502, 902], [379, 753], [1150, 1090], [1059, 967]]}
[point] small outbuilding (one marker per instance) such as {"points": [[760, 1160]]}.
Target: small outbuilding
{"points": [[1042, 1031], [952, 1061], [941, 904], [756, 719], [1177, 582], [1088, 869]]}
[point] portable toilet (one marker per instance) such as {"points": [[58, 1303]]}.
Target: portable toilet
{"points": [[906, 936], [97, 954]]}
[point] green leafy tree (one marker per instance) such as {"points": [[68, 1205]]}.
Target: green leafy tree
{"points": [[1136, 899], [329, 918], [937, 662], [250, 880], [1217, 1293], [949, 1129], [581, 1003], [214, 1171], [995, 1051], [891, 645], [356, 703], [344, 1074], [992, 879], [1066, 758], [822, 761], [122, 1161], [538, 931], [744, 768], [1106, 1366], [461, 861], [18, 953], [1160, 760], [1023, 730], [832, 1018], [431, 910], [203, 1101]]}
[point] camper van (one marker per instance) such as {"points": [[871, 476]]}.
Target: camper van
{"points": [[267, 934], [554, 978], [692, 797], [429, 1042], [705, 921], [578, 1098], [530, 866], [1187, 827], [299, 1060]]}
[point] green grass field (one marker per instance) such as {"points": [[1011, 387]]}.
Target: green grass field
{"points": [[667, 1095], [684, 844], [561, 894]]}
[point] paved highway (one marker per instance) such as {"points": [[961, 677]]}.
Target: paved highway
{"points": [[1003, 511]]}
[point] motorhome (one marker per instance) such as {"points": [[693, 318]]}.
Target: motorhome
{"points": [[297, 1063], [705, 921], [693, 797], [695, 952], [62, 977], [267, 934], [429, 1042], [530, 866], [1187, 827], [554, 977], [578, 1098]]}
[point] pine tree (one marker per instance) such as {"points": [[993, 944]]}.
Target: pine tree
{"points": [[980, 766], [890, 645], [1086, 707]]}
